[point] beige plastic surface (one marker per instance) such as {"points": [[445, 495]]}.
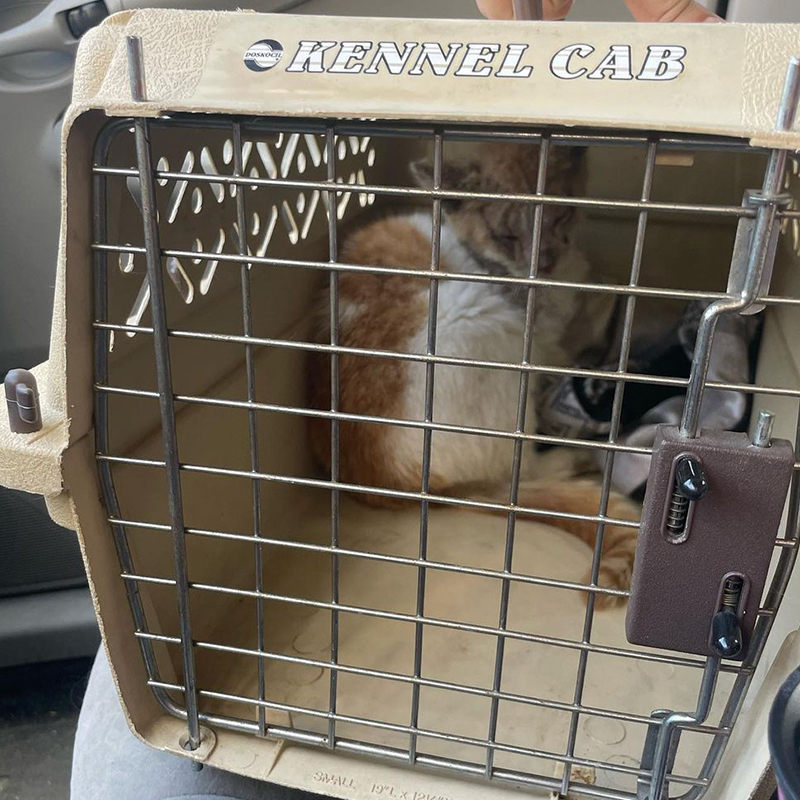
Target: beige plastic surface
{"points": [[728, 82], [529, 669], [205, 71], [194, 62], [459, 537], [209, 437]]}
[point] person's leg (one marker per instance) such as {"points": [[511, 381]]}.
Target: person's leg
{"points": [[110, 763]]}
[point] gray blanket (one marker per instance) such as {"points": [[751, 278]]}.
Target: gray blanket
{"points": [[581, 408]]}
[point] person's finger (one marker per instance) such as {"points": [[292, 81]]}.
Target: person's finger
{"points": [[670, 11], [504, 9], [557, 9], [496, 9]]}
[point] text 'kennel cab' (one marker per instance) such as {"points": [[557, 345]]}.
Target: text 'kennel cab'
{"points": [[377, 341]]}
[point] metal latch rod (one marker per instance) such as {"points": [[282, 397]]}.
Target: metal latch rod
{"points": [[769, 201], [676, 718]]}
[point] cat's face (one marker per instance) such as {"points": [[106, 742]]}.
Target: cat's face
{"points": [[500, 231]]}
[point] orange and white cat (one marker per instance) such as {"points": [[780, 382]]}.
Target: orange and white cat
{"points": [[476, 321]]}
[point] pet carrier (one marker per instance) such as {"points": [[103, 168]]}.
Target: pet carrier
{"points": [[261, 618]]}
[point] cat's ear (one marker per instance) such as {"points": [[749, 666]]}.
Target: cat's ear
{"points": [[564, 170], [422, 172], [456, 176]]}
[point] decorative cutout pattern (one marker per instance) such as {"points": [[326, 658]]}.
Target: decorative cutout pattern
{"points": [[180, 189], [211, 266], [273, 221], [792, 224], [180, 279], [312, 209], [126, 262], [288, 219]]}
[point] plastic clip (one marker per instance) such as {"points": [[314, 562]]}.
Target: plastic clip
{"points": [[22, 399]]}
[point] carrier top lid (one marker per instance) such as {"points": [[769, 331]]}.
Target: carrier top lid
{"points": [[699, 78]]}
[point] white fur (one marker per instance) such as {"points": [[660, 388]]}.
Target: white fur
{"points": [[479, 321]]}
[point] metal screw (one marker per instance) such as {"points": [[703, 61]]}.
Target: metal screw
{"points": [[136, 69], [791, 96], [762, 436]]}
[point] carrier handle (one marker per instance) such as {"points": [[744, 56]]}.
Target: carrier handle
{"points": [[529, 10]]}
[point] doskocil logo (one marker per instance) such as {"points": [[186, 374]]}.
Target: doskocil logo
{"points": [[263, 55]]}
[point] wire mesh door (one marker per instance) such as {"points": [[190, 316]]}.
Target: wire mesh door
{"points": [[249, 589]]}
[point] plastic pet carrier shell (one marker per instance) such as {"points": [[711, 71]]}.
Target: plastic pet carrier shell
{"points": [[258, 616]]}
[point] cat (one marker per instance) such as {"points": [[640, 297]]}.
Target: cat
{"points": [[482, 321]]}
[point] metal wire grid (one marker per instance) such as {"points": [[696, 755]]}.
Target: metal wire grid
{"points": [[333, 267]]}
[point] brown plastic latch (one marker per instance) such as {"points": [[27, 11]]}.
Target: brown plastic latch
{"points": [[710, 519], [22, 399]]}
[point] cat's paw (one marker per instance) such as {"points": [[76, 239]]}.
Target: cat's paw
{"points": [[612, 576]]}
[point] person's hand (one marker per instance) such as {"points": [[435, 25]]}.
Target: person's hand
{"points": [[642, 10]]}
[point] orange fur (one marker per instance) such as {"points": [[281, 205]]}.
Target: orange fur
{"points": [[386, 312], [583, 497], [395, 307]]}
